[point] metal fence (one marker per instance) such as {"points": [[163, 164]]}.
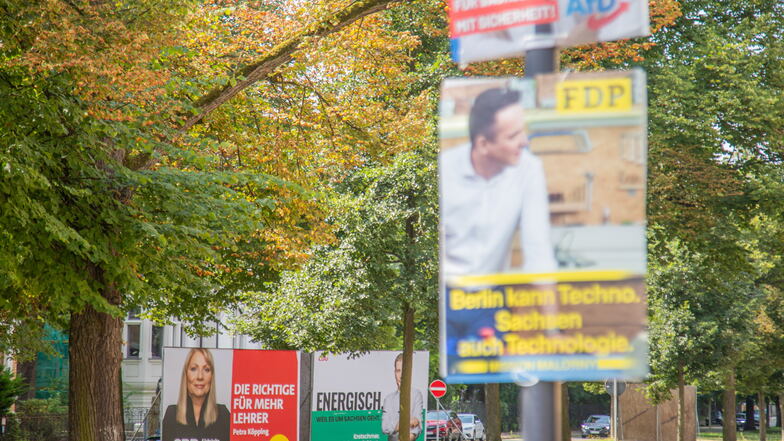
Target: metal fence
{"points": [[42, 427], [136, 424]]}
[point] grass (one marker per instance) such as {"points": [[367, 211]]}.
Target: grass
{"points": [[773, 434]]}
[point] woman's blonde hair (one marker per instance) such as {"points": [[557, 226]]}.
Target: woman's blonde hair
{"points": [[211, 411]]}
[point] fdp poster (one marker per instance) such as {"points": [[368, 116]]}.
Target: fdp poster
{"points": [[359, 397], [491, 29], [543, 250], [230, 395]]}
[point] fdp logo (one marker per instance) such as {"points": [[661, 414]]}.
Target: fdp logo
{"points": [[601, 12]]}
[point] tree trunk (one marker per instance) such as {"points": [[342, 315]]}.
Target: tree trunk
{"points": [[763, 420], [26, 370], [681, 405], [405, 380], [749, 413], [566, 430], [777, 400], [728, 416], [781, 401], [493, 407], [95, 402]]}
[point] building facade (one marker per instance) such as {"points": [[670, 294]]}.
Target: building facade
{"points": [[143, 344]]}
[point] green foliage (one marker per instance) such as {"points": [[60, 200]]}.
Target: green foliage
{"points": [[716, 112], [76, 219], [10, 388], [349, 295], [39, 420], [699, 317]]}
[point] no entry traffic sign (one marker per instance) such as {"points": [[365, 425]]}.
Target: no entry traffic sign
{"points": [[438, 388]]}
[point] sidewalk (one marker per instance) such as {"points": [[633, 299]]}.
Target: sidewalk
{"points": [[706, 434]]}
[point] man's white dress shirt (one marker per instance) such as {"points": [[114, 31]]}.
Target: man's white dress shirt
{"points": [[480, 216], [390, 416]]}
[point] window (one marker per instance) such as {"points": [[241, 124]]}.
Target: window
{"points": [[156, 342], [134, 341]]}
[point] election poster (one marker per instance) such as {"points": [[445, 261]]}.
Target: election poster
{"points": [[543, 247], [490, 29], [358, 397], [230, 395]]}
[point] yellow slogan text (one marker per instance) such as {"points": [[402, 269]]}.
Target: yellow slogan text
{"points": [[513, 344], [573, 344], [488, 347], [484, 299], [596, 294], [516, 297], [505, 321]]}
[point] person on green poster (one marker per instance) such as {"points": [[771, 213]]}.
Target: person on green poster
{"points": [[390, 419]]}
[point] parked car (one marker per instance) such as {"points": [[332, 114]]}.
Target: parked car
{"points": [[596, 425], [473, 428], [740, 420], [436, 424], [716, 418]]}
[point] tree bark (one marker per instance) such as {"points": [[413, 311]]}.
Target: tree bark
{"points": [[749, 413], [27, 371], [566, 430], [95, 402], [281, 54], [763, 420], [777, 400], [781, 401], [729, 431], [493, 407], [405, 379], [681, 405]]}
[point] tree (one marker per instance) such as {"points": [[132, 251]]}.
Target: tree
{"points": [[379, 278], [10, 388], [99, 212], [707, 69], [113, 197]]}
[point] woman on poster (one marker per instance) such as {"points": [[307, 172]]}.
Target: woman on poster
{"points": [[197, 415]]}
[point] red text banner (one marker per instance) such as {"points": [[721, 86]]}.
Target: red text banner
{"points": [[468, 17], [264, 396]]}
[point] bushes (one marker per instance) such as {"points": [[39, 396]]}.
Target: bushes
{"points": [[38, 420]]}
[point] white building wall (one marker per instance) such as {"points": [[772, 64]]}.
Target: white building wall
{"points": [[141, 371]]}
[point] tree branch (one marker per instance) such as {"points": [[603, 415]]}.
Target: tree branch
{"points": [[281, 54]]}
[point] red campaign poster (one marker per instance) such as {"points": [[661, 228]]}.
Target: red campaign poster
{"points": [[468, 17], [264, 396]]}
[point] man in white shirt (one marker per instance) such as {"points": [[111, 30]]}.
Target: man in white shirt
{"points": [[390, 418], [492, 187]]}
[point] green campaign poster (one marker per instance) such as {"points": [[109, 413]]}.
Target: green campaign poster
{"points": [[358, 398]]}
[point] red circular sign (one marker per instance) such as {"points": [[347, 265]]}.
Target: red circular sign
{"points": [[438, 388]]}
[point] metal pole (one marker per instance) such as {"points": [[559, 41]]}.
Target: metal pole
{"points": [[539, 412], [538, 417], [615, 407], [438, 406], [540, 61]]}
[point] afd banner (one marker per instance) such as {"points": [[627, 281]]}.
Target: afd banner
{"points": [[543, 250], [230, 395], [358, 397], [491, 29]]}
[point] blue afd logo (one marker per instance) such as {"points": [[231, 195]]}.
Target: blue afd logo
{"points": [[588, 7]]}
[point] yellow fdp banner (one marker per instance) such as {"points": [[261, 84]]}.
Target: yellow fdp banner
{"points": [[605, 95]]}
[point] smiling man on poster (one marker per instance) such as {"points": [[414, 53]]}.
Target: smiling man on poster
{"points": [[390, 420], [493, 187]]}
